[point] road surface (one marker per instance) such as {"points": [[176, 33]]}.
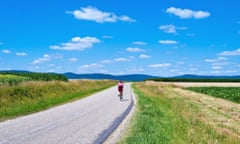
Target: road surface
{"points": [[87, 121]]}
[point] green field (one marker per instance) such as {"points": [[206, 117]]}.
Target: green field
{"points": [[12, 79], [228, 93], [195, 79], [166, 116], [29, 97]]}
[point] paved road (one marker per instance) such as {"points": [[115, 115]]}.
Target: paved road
{"points": [[89, 120]]}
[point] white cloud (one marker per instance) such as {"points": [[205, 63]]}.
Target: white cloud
{"points": [[217, 67], [6, 51], [187, 13], [193, 69], [21, 54], [45, 58], [230, 53], [77, 43], [167, 42], [93, 14], [144, 56], [107, 37], [174, 70], [180, 63], [215, 60], [160, 65], [107, 61], [73, 60], [130, 49], [90, 66], [121, 59], [139, 43], [171, 28]]}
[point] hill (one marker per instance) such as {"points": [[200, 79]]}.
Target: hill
{"points": [[131, 77]]}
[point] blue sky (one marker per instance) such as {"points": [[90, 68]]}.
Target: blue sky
{"points": [[157, 37]]}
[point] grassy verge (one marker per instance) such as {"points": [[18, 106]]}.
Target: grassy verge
{"points": [[228, 93], [163, 116], [31, 97]]}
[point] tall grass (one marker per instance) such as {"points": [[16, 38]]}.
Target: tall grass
{"points": [[30, 97], [164, 117]]}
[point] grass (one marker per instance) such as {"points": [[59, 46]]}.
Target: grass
{"points": [[228, 93], [164, 116], [12, 79], [30, 97]]}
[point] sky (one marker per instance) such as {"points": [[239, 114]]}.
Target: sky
{"points": [[155, 37]]}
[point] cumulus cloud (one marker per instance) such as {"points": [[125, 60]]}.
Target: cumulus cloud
{"points": [[131, 49], [121, 59], [94, 14], [144, 56], [230, 53], [215, 60], [21, 54], [167, 42], [43, 59], [94, 65], [217, 67], [139, 43], [6, 51], [76, 43], [187, 13], [171, 28], [72, 60], [164, 65]]}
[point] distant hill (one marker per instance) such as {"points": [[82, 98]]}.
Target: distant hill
{"points": [[131, 77], [206, 77]]}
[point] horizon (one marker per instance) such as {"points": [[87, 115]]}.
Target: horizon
{"points": [[120, 37]]}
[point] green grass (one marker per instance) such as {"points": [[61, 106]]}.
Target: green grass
{"points": [[228, 93], [30, 97], [163, 117], [12, 79]]}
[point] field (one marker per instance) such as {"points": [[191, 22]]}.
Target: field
{"points": [[33, 96], [228, 93], [171, 114], [12, 79]]}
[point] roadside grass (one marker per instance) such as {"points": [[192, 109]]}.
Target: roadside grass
{"points": [[29, 97], [164, 116], [228, 93]]}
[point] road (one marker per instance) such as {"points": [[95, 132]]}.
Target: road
{"points": [[86, 121]]}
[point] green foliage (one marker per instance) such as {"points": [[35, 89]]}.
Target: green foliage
{"points": [[228, 93], [32, 96], [12, 79], [36, 76], [195, 79]]}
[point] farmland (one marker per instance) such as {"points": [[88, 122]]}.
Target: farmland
{"points": [[171, 114], [228, 93], [12, 79]]}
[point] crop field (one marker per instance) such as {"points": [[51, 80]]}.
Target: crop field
{"points": [[228, 93], [12, 79], [171, 114]]}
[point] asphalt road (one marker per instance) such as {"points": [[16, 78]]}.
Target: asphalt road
{"points": [[87, 121]]}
